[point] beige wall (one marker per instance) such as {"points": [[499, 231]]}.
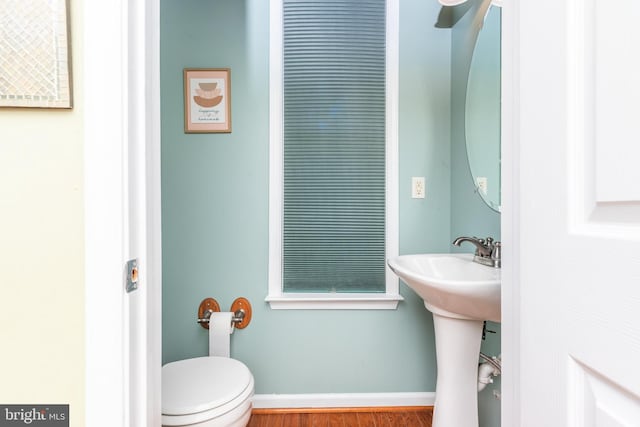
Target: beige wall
{"points": [[42, 319]]}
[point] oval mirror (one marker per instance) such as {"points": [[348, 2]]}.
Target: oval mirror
{"points": [[482, 111]]}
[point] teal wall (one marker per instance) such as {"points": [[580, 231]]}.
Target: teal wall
{"points": [[215, 208], [470, 216]]}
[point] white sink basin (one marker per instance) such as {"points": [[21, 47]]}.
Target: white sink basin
{"points": [[452, 285], [461, 294]]}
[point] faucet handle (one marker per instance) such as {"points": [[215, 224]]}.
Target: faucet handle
{"points": [[496, 254]]}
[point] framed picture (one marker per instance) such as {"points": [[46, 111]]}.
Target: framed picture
{"points": [[207, 100], [35, 64]]}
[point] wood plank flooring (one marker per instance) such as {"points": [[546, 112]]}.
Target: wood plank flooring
{"points": [[371, 417]]}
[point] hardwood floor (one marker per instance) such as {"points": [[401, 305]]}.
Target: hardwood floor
{"points": [[369, 417]]}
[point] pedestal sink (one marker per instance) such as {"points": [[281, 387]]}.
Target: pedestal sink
{"points": [[461, 294]]}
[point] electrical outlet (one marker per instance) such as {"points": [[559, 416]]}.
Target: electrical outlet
{"points": [[418, 190], [481, 183]]}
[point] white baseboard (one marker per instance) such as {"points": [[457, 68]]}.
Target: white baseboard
{"points": [[343, 400]]}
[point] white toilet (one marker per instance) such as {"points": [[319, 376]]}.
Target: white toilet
{"points": [[206, 392]]}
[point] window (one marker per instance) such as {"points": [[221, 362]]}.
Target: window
{"points": [[333, 154]]}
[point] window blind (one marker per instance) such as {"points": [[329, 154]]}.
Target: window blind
{"points": [[334, 146]]}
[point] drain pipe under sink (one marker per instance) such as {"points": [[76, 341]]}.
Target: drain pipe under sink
{"points": [[487, 370]]}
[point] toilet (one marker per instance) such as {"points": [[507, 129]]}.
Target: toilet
{"points": [[207, 391]]}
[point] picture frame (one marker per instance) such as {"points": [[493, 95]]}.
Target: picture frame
{"points": [[37, 73], [207, 100]]}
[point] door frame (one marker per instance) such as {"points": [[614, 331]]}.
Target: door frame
{"points": [[510, 214], [121, 106]]}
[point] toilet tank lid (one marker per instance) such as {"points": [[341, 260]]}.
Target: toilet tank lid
{"points": [[194, 385]]}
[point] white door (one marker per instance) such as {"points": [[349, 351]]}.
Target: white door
{"points": [[572, 303]]}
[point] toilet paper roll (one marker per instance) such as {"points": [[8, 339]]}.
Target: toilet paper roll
{"points": [[220, 331]]}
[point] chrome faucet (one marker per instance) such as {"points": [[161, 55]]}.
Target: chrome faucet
{"points": [[488, 252]]}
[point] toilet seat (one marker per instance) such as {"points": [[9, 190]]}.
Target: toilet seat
{"points": [[205, 388]]}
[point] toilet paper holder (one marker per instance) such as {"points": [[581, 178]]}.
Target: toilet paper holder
{"points": [[241, 309]]}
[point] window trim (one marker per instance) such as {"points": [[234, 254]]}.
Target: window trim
{"points": [[278, 299]]}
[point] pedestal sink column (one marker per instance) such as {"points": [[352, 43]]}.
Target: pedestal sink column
{"points": [[457, 351]]}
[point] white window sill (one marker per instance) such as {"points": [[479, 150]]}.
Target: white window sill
{"points": [[304, 301]]}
